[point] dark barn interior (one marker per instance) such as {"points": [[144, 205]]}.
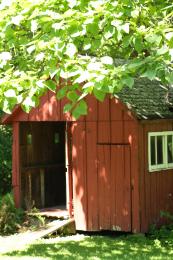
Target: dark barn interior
{"points": [[42, 164]]}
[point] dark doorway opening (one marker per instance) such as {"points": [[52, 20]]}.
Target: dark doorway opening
{"points": [[43, 171]]}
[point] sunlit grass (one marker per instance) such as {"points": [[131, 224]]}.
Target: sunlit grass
{"points": [[96, 247]]}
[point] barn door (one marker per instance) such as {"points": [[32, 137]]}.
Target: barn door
{"points": [[114, 187]]}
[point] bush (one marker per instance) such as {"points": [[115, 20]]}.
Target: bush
{"points": [[6, 158], [33, 220], [10, 217]]}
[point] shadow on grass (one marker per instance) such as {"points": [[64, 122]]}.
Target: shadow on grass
{"points": [[99, 247]]}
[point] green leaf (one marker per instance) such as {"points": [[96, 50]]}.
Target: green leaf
{"points": [[99, 94], [125, 27], [80, 109], [28, 103], [72, 96], [10, 93], [87, 44], [169, 77], [31, 49], [162, 50], [92, 28], [61, 93], [51, 85], [107, 60], [109, 32], [153, 38], [71, 50], [150, 73], [129, 81], [67, 108], [138, 43], [72, 3]]}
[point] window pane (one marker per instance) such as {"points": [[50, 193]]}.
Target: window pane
{"points": [[56, 138], [29, 138], [153, 151], [170, 149], [159, 149]]}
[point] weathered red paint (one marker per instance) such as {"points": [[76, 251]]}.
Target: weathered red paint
{"points": [[156, 189], [109, 181]]}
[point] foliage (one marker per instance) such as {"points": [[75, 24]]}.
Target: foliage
{"points": [[79, 41], [10, 217], [33, 220], [5, 161]]}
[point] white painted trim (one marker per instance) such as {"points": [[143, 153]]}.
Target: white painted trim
{"points": [[165, 165]]}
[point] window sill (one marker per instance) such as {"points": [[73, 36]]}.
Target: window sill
{"points": [[160, 169]]}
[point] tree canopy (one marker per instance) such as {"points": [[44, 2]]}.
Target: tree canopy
{"points": [[80, 42]]}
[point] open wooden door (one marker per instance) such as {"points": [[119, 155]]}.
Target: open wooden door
{"points": [[114, 187]]}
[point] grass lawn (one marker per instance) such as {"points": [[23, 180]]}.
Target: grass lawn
{"points": [[98, 247]]}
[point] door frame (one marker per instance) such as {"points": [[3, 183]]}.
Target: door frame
{"points": [[68, 165]]}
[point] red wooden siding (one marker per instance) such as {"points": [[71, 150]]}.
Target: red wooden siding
{"points": [[104, 182], [102, 190], [15, 164], [156, 188], [104, 162], [49, 109], [114, 187], [121, 188], [79, 175], [92, 178]]}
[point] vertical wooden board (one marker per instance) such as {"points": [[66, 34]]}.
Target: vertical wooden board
{"points": [[92, 179], [43, 109], [79, 175], [104, 132], [33, 114], [118, 164], [16, 164], [131, 137], [147, 181], [104, 110], [160, 201], [117, 132], [128, 115], [92, 108], [152, 182], [104, 181], [127, 205], [54, 107], [20, 116], [116, 109], [153, 197], [114, 165], [143, 223]]}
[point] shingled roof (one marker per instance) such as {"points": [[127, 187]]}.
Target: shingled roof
{"points": [[147, 99]]}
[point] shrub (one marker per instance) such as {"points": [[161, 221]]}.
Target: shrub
{"points": [[33, 220], [10, 217], [6, 158]]}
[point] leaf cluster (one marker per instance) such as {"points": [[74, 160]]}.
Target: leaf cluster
{"points": [[81, 42]]}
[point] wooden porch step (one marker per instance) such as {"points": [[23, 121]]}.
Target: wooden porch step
{"points": [[50, 228], [54, 226]]}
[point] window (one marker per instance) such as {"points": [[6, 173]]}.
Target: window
{"points": [[29, 138], [160, 150], [56, 138]]}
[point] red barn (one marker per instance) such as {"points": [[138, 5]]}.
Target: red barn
{"points": [[113, 169]]}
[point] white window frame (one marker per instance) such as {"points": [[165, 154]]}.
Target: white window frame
{"points": [[165, 164]]}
